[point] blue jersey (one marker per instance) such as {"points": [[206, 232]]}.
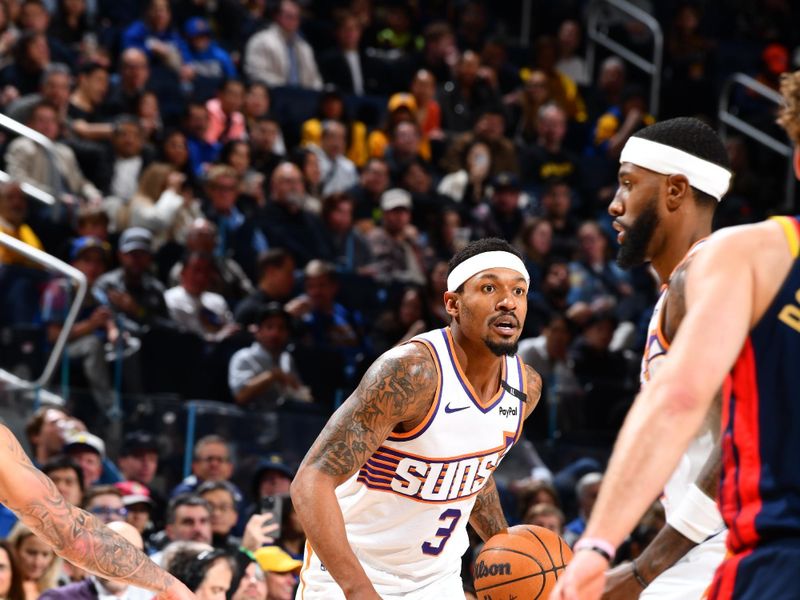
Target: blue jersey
{"points": [[759, 494]]}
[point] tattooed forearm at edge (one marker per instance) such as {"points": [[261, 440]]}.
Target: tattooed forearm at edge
{"points": [[76, 535], [487, 515]]}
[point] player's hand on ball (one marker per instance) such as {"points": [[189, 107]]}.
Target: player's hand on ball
{"points": [[583, 579], [621, 584]]}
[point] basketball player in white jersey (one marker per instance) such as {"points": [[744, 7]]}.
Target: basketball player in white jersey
{"points": [[671, 177], [386, 491]]}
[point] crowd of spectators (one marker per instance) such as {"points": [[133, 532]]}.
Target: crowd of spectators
{"points": [[263, 197]]}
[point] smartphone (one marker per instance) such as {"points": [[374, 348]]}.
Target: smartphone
{"points": [[274, 505]]}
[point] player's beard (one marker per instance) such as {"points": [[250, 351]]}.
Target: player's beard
{"points": [[502, 348], [633, 250]]}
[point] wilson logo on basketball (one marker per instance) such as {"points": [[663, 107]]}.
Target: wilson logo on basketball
{"points": [[484, 570]]}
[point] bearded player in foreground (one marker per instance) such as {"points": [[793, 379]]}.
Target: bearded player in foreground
{"points": [[741, 328]]}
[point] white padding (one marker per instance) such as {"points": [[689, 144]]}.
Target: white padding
{"points": [[702, 174], [497, 259], [697, 516]]}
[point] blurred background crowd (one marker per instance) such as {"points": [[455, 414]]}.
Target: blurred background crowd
{"points": [[263, 197]]}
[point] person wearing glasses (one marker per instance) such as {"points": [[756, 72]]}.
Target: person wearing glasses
{"points": [[105, 503]]}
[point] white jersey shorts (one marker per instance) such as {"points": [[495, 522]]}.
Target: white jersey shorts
{"points": [[317, 584]]}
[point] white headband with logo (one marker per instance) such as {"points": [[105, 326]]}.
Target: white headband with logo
{"points": [[702, 174], [498, 259]]}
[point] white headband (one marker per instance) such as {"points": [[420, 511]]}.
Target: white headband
{"points": [[702, 174], [498, 259]]}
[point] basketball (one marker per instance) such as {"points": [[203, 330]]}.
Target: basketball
{"points": [[524, 563]]}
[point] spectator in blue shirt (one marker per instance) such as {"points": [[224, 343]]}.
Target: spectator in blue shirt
{"points": [[155, 36], [207, 64]]}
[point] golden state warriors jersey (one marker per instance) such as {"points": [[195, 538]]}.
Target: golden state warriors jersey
{"points": [[656, 349], [406, 510]]}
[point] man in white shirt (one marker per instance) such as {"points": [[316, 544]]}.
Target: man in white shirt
{"points": [[194, 307]]}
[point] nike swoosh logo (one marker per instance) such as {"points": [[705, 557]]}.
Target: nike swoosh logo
{"points": [[449, 410]]}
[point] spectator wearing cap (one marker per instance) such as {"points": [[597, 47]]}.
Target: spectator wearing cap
{"points": [[272, 477], [88, 451], [191, 304], [281, 570], [138, 457], [83, 112], [285, 220], [207, 63], [337, 171], [395, 244], [130, 289], [402, 107], [138, 503], [239, 238], [225, 118], [264, 374], [503, 216], [279, 56], [29, 162], [94, 323]]}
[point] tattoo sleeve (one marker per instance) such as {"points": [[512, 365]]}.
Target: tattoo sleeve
{"points": [[487, 515], [74, 534], [534, 385], [397, 388]]}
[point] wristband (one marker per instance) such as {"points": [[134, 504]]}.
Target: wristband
{"points": [[638, 576], [602, 547], [697, 516]]}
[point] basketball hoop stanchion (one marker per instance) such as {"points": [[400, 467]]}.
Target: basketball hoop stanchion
{"points": [[50, 263]]}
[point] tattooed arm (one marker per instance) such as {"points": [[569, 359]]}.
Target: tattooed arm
{"points": [[396, 391], [487, 516], [74, 534]]}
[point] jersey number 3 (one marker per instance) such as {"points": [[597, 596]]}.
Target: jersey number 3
{"points": [[451, 516]]}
